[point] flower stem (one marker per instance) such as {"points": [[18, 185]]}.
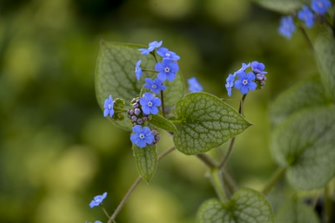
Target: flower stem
{"points": [[218, 185], [105, 212], [277, 176], [208, 161], [163, 107], [132, 189], [232, 141], [309, 41]]}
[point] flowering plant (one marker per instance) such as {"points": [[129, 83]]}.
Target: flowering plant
{"points": [[141, 90]]}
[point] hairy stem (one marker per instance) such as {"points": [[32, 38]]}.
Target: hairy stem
{"points": [[277, 176], [132, 189]]}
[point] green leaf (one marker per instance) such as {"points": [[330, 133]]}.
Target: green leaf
{"points": [[283, 6], [163, 123], [304, 144], [325, 55], [115, 75], [295, 211], [204, 122], [146, 161], [246, 206], [301, 96]]}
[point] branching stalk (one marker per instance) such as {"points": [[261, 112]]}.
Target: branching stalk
{"points": [[132, 189]]}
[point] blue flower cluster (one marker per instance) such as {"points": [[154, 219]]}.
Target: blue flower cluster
{"points": [[248, 78], [166, 69], [307, 15]]}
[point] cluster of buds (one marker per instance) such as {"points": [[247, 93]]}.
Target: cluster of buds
{"points": [[156, 135], [135, 114]]}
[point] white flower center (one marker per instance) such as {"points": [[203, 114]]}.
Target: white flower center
{"points": [[149, 103], [167, 69], [110, 106], [141, 136], [245, 82], [154, 86], [167, 54]]}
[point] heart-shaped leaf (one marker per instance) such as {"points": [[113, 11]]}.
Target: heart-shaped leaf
{"points": [[304, 144], [146, 161], [301, 96], [204, 122], [325, 55], [284, 6], [115, 75], [246, 206]]}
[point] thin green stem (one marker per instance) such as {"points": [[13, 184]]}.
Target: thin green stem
{"points": [[277, 176], [207, 160], [106, 213], [229, 182], [309, 41], [132, 189], [218, 185], [148, 70], [232, 141], [163, 107], [125, 199]]}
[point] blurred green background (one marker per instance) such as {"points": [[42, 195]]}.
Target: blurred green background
{"points": [[56, 149]]}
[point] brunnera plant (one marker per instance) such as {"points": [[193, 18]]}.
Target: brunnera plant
{"points": [[141, 89]]}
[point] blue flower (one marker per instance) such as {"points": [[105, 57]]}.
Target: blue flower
{"points": [[244, 67], [258, 68], [142, 136], [306, 15], [287, 27], [230, 83], [155, 86], [98, 222], [321, 7], [167, 70], [97, 200], [109, 107], [194, 86], [246, 82], [152, 46], [165, 53], [138, 70], [150, 104]]}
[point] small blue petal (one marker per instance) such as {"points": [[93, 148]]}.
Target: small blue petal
{"points": [[167, 70], [142, 138], [138, 70], [287, 27], [152, 46], [156, 86], [97, 200], [194, 86], [167, 54], [109, 107], [321, 7], [307, 16], [150, 104]]}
